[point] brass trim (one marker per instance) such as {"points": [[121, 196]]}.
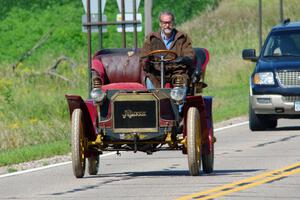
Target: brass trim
{"points": [[135, 130]]}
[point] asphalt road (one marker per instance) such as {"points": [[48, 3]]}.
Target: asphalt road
{"points": [[258, 165]]}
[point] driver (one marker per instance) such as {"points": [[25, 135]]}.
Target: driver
{"points": [[168, 38]]}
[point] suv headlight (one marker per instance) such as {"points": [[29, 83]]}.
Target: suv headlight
{"points": [[98, 95], [178, 93], [264, 78]]}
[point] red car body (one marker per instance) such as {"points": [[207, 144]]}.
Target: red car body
{"points": [[122, 77]]}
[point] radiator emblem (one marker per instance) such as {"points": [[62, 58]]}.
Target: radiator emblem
{"points": [[130, 114]]}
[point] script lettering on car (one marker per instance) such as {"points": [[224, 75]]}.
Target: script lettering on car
{"points": [[130, 114]]}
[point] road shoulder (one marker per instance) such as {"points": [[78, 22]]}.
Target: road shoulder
{"points": [[65, 158]]}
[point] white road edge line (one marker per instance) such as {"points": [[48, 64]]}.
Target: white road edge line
{"points": [[104, 155], [231, 126], [46, 167]]}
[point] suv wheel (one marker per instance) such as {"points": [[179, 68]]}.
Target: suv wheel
{"points": [[271, 123], [255, 121], [260, 122]]}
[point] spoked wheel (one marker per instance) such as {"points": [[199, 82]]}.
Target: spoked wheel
{"points": [[78, 144], [194, 141], [93, 164]]}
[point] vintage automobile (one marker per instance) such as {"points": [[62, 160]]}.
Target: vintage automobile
{"points": [[275, 81], [123, 115]]}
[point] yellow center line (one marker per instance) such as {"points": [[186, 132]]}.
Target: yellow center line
{"points": [[245, 183]]}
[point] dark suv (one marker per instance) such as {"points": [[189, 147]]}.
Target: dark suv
{"points": [[275, 81]]}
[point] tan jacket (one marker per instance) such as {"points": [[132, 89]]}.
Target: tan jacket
{"points": [[181, 45]]}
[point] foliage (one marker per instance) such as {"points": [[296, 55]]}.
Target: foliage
{"points": [[33, 109], [30, 5], [13, 156], [225, 32], [26, 23], [183, 10], [21, 30]]}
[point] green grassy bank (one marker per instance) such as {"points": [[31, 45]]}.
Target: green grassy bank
{"points": [[34, 117], [34, 120], [225, 32]]}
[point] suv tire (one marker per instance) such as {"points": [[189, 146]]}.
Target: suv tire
{"points": [[256, 123], [260, 122], [271, 123]]}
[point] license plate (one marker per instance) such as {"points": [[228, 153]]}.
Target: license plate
{"points": [[297, 105]]}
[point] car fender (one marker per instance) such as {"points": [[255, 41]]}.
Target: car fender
{"points": [[204, 105], [89, 111]]}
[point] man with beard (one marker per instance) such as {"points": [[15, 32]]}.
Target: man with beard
{"points": [[168, 38]]}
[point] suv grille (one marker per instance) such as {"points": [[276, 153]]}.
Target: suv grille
{"points": [[291, 98], [289, 78]]}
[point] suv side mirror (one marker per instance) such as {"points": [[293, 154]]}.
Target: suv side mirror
{"points": [[250, 54]]}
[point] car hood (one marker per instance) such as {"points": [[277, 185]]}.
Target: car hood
{"points": [[278, 63]]}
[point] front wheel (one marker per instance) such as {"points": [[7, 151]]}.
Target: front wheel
{"points": [[194, 141], [93, 164], [260, 122], [272, 123], [208, 161], [255, 121], [78, 144]]}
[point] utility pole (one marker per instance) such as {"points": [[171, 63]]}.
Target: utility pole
{"points": [[260, 23], [89, 31], [281, 10], [148, 16], [260, 19], [100, 20]]}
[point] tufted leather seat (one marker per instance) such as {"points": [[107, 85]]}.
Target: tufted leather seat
{"points": [[122, 66], [118, 65]]}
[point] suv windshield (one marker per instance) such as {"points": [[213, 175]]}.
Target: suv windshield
{"points": [[283, 43]]}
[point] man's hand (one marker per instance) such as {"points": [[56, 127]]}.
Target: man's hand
{"points": [[178, 60], [196, 76], [184, 60]]}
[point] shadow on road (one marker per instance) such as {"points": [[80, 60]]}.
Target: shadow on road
{"points": [[276, 141], [173, 173], [286, 128], [117, 177]]}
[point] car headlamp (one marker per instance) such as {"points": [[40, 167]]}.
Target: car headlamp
{"points": [[178, 93], [98, 95], [264, 78]]}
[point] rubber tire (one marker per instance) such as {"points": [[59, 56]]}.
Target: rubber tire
{"points": [[194, 141], [272, 123], [256, 122], [93, 165], [208, 161], [77, 144]]}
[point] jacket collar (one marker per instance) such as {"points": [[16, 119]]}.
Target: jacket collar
{"points": [[178, 34]]}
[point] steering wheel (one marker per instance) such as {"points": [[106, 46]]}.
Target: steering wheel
{"points": [[158, 56]]}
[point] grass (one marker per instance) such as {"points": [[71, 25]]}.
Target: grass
{"points": [[34, 152], [225, 32], [34, 116], [34, 119], [223, 108]]}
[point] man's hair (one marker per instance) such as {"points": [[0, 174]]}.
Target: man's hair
{"points": [[167, 13]]}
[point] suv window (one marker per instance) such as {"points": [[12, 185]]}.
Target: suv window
{"points": [[283, 43]]}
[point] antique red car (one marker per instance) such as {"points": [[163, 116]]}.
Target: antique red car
{"points": [[123, 115]]}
